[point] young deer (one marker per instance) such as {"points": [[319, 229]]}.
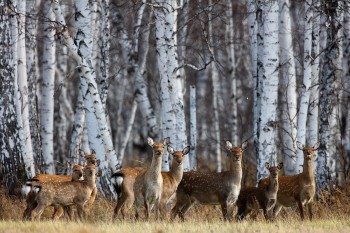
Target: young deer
{"points": [[65, 193], [212, 188], [264, 197], [172, 179], [124, 180], [149, 184], [90, 159], [298, 189], [30, 194]]}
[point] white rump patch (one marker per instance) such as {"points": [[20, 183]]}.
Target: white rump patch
{"points": [[25, 190], [117, 180], [37, 189]]}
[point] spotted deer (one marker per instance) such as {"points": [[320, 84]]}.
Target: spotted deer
{"points": [[77, 174], [298, 189], [149, 183], [212, 188], [65, 193], [263, 197]]}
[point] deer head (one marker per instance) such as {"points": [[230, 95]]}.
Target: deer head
{"points": [[77, 172], [158, 147], [308, 151], [178, 156], [274, 170], [235, 153]]}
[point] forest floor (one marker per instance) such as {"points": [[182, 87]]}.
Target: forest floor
{"points": [[331, 214]]}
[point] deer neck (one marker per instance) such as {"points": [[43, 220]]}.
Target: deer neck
{"points": [[308, 171], [177, 170], [91, 181], [236, 170], [156, 165], [272, 188]]}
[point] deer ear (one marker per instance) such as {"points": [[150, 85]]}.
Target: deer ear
{"points": [[316, 146], [267, 165], [228, 145], [300, 145], [280, 166], [98, 162], [186, 150], [245, 145], [170, 149], [99, 173], [166, 141], [150, 141]]}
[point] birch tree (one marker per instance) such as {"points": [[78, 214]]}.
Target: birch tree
{"points": [[10, 147], [171, 89], [269, 87], [47, 90], [305, 92], [106, 153], [289, 95], [327, 97]]}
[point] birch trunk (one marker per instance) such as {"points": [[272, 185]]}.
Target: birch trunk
{"points": [[305, 92], [289, 95], [107, 154], [269, 87], [171, 89], [193, 128], [327, 98], [230, 29], [47, 91], [23, 87], [10, 147]]}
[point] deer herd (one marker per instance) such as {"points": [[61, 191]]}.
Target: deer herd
{"points": [[154, 190]]}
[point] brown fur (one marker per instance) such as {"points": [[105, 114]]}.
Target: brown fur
{"points": [[149, 184], [65, 193], [58, 210], [211, 188], [298, 189], [264, 197]]}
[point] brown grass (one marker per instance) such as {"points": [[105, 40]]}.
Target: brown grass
{"points": [[331, 211]]}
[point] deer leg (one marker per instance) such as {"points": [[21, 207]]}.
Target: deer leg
{"points": [[36, 213], [156, 209], [58, 211], [309, 206], [68, 210], [224, 209], [276, 210], [301, 209], [119, 206], [81, 212]]}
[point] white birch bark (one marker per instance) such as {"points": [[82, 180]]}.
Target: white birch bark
{"points": [[329, 76], [230, 30], [215, 82], [47, 91], [10, 146], [106, 155], [269, 87], [305, 91], [171, 89], [23, 85], [193, 128], [289, 94]]}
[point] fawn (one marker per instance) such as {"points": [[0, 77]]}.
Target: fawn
{"points": [[30, 195], [298, 189], [212, 188], [65, 193], [263, 197], [149, 184]]}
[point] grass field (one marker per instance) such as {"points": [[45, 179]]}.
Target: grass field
{"points": [[331, 214]]}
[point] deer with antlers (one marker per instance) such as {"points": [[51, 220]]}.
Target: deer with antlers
{"points": [[149, 183], [263, 197], [298, 189], [65, 193], [212, 188]]}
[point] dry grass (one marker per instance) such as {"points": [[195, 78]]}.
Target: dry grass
{"points": [[331, 211]]}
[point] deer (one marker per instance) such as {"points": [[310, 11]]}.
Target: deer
{"points": [[211, 188], [77, 174], [263, 197], [125, 179], [65, 193], [299, 189], [149, 183]]}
